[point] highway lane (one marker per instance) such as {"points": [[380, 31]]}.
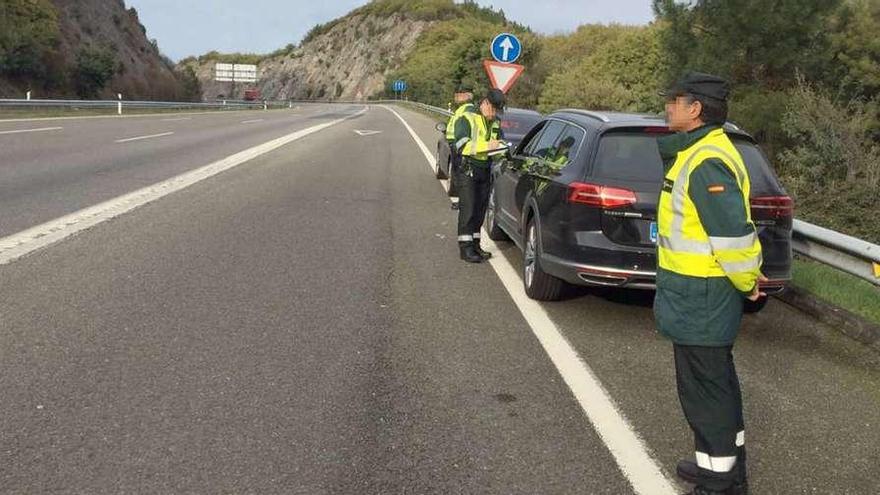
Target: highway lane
{"points": [[299, 325], [44, 175]]}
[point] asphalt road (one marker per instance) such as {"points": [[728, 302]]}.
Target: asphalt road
{"points": [[301, 324]]}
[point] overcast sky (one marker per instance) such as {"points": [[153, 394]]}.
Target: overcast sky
{"points": [[193, 27]]}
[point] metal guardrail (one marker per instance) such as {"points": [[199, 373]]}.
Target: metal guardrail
{"points": [[840, 251], [121, 105]]}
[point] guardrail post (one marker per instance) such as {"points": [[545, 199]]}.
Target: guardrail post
{"points": [[119, 104], [28, 96]]}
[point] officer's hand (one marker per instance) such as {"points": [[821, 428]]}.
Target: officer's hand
{"points": [[757, 294], [494, 144]]}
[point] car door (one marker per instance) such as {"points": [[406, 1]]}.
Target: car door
{"points": [[532, 164], [509, 170]]}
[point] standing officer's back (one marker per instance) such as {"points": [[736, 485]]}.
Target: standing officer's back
{"points": [[709, 261]]}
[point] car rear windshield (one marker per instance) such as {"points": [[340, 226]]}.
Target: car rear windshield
{"points": [[633, 155], [518, 124]]}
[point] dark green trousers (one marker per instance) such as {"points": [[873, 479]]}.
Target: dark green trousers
{"points": [[710, 396]]}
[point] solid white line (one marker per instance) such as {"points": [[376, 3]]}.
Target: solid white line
{"points": [[622, 441], [141, 138], [21, 131], [252, 121], [27, 241], [134, 116]]}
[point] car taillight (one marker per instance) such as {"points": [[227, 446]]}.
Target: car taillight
{"points": [[600, 196], [773, 206]]}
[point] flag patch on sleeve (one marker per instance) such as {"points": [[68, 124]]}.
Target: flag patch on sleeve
{"points": [[716, 188]]}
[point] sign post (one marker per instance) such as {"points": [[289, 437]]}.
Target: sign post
{"points": [[399, 87], [503, 72]]}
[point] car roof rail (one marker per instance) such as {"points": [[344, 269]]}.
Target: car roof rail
{"points": [[588, 113]]}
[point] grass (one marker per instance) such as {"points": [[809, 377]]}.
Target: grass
{"points": [[839, 288]]}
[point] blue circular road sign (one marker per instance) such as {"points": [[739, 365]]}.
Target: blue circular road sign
{"points": [[506, 48], [399, 86]]}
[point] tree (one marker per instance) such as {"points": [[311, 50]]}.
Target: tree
{"points": [[747, 41], [94, 69]]}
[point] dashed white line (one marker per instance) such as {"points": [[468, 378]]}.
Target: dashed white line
{"points": [[141, 138], [252, 121], [22, 131], [630, 452], [27, 241], [176, 120]]}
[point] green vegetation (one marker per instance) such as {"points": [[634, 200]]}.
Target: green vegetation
{"points": [[94, 69], [28, 37], [839, 288]]}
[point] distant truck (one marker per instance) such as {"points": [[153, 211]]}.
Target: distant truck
{"points": [[252, 94]]}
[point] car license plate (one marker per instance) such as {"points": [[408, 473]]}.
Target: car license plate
{"points": [[654, 232]]}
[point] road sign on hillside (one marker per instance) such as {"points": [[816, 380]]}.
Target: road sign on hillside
{"points": [[502, 76], [399, 86], [235, 73], [506, 48]]}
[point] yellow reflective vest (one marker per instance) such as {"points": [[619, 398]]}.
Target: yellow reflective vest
{"points": [[684, 247], [477, 145], [450, 125]]}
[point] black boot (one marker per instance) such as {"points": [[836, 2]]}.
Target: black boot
{"points": [[468, 253], [484, 254], [690, 472]]}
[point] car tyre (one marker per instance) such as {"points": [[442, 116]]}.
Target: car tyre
{"points": [[453, 186], [439, 173], [538, 284], [495, 232], [752, 307]]}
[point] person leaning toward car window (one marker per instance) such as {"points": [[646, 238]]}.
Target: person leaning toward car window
{"points": [[709, 262], [476, 134]]}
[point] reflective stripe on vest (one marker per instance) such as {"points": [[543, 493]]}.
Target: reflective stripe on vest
{"points": [[683, 245]]}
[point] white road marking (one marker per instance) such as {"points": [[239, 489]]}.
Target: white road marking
{"points": [[252, 121], [141, 138], [361, 132], [176, 120], [27, 241], [22, 131], [628, 449]]}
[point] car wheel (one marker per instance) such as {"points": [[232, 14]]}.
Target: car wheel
{"points": [[751, 307], [538, 285], [495, 232], [453, 187], [439, 173]]}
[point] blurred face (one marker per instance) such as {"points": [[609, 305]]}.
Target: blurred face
{"points": [[463, 97], [487, 110], [683, 114]]}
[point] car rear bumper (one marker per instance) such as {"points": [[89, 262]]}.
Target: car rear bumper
{"points": [[609, 276]]}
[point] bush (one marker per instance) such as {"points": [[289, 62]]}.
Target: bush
{"points": [[28, 34], [833, 167], [94, 69]]}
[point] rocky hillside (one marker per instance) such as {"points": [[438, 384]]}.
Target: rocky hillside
{"points": [[88, 48], [350, 60]]}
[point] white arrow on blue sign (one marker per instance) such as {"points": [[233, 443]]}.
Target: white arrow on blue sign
{"points": [[506, 48], [399, 86]]}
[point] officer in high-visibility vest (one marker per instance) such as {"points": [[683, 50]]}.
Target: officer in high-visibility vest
{"points": [[709, 263], [463, 100], [477, 133]]}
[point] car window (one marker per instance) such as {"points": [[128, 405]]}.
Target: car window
{"points": [[529, 143], [518, 124], [629, 156], [566, 146], [547, 140]]}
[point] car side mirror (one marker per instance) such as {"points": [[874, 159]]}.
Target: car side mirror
{"points": [[441, 127]]}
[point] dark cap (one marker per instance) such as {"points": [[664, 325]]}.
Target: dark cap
{"points": [[464, 88], [496, 98], [699, 84]]}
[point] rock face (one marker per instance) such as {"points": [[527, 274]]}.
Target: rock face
{"points": [[142, 72], [349, 61]]}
